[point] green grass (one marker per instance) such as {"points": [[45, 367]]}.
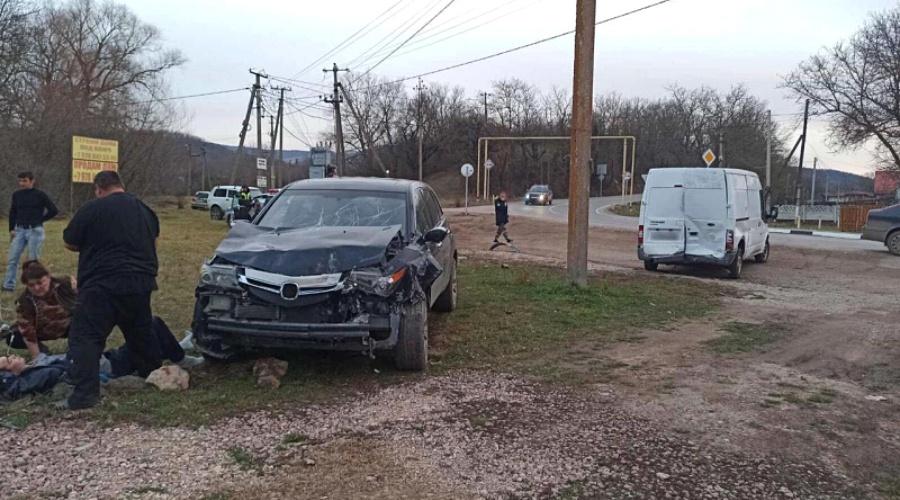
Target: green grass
{"points": [[627, 210], [244, 459], [745, 337], [518, 318], [523, 317]]}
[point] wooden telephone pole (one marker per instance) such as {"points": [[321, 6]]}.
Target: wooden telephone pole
{"points": [[336, 99], [580, 149]]}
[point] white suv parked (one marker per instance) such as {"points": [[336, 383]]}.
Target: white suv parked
{"points": [[221, 198]]}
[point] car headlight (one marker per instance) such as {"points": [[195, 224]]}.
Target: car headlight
{"points": [[375, 283], [219, 276]]}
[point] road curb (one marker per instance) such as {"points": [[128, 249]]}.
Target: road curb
{"points": [[820, 234]]}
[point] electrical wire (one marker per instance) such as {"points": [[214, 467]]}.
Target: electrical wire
{"points": [[385, 58], [191, 96], [423, 43], [517, 48], [351, 39], [369, 54]]}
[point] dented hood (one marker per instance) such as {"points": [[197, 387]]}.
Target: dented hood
{"points": [[307, 251]]}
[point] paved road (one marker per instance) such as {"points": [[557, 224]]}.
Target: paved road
{"points": [[600, 217]]}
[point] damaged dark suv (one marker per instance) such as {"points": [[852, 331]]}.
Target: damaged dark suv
{"points": [[335, 264]]}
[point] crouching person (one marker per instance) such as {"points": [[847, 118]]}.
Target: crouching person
{"points": [[43, 311]]}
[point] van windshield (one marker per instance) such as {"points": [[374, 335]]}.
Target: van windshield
{"points": [[665, 202]]}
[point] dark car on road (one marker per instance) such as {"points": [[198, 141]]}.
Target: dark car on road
{"points": [[333, 264], [539, 194], [883, 224]]}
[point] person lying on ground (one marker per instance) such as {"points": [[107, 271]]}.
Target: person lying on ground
{"points": [[18, 378], [44, 311]]}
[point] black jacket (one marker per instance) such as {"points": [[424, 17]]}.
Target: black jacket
{"points": [[501, 212], [30, 207]]}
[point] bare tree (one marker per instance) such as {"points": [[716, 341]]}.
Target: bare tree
{"points": [[856, 84]]}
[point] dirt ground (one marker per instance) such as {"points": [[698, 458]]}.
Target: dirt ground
{"points": [[792, 418]]}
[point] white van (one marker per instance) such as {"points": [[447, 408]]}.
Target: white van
{"points": [[703, 216], [221, 199]]}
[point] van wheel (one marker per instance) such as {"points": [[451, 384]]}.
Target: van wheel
{"points": [[762, 258], [893, 243], [651, 265], [734, 270], [216, 213], [411, 351]]}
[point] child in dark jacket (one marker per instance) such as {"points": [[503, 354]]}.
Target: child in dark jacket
{"points": [[501, 216]]}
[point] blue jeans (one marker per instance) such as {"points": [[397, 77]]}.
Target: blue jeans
{"points": [[33, 239]]}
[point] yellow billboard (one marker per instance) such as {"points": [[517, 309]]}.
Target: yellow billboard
{"points": [[91, 155]]}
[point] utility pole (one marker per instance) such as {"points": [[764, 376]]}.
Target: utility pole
{"points": [[768, 152], [270, 172], [336, 99], [258, 87], [281, 135], [580, 149], [481, 190], [812, 196], [800, 169], [721, 150], [243, 135], [419, 129]]}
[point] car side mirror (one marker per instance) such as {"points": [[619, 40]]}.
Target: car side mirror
{"points": [[436, 235]]}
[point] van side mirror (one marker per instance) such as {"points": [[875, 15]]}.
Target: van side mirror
{"points": [[436, 235]]}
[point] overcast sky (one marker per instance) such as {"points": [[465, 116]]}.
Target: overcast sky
{"points": [[718, 43]]}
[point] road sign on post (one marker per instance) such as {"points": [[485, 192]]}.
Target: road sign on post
{"points": [[709, 157], [488, 165], [262, 164], [467, 170]]}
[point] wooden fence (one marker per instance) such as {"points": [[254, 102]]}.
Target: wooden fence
{"points": [[853, 217]]}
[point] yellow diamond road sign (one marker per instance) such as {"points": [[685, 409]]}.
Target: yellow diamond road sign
{"points": [[709, 157]]}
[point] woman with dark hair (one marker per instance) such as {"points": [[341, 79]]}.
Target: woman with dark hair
{"points": [[44, 310]]}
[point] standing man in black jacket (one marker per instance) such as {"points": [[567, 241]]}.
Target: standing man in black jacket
{"points": [[115, 237], [30, 209]]}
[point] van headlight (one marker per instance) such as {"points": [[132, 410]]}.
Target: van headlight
{"points": [[219, 276]]}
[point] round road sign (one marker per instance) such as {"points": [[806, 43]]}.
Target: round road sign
{"points": [[467, 170]]}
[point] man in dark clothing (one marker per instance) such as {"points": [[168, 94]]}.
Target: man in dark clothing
{"points": [[115, 236], [501, 216], [30, 209]]}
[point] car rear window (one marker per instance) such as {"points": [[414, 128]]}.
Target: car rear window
{"points": [[303, 208]]}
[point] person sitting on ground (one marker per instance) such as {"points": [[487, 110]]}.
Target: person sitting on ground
{"points": [[18, 378], [43, 311]]}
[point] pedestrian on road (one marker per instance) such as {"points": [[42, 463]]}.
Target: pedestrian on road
{"points": [[115, 237], [30, 209], [501, 215]]}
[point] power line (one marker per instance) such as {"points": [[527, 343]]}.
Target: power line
{"points": [[385, 58], [191, 96], [351, 39], [515, 49], [389, 38], [423, 43]]}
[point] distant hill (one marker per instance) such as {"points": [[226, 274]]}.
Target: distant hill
{"points": [[290, 155]]}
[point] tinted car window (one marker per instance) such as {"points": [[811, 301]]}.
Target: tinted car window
{"points": [[219, 193], [304, 208]]}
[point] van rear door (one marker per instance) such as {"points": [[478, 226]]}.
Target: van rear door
{"points": [[664, 221], [705, 211]]}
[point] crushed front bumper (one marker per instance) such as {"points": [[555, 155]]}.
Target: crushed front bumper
{"points": [[376, 333], [686, 259]]}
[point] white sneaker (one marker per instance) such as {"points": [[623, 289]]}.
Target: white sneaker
{"points": [[187, 343], [191, 361]]}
